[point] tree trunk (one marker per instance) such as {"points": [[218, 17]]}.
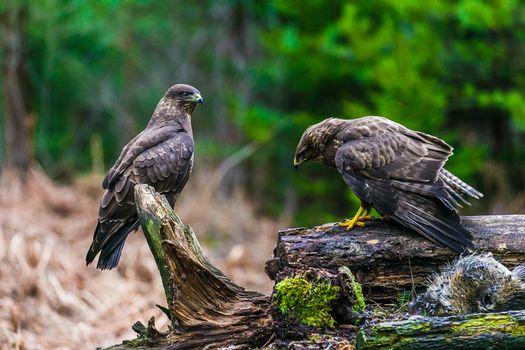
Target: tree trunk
{"points": [[387, 258], [205, 307], [18, 122]]}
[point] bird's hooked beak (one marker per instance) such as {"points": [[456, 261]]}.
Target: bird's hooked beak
{"points": [[297, 162], [197, 98], [300, 157]]}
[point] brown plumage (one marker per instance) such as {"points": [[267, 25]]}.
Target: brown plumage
{"points": [[396, 170], [160, 156]]}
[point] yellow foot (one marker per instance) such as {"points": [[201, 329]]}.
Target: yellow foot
{"points": [[385, 217], [350, 223], [356, 220]]}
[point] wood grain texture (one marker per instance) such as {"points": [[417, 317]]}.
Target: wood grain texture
{"points": [[206, 308], [387, 258]]}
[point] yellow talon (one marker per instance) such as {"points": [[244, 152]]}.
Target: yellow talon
{"points": [[356, 220], [365, 217], [349, 224]]}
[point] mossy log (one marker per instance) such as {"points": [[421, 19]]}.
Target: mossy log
{"points": [[206, 308], [209, 311], [387, 258], [505, 330]]}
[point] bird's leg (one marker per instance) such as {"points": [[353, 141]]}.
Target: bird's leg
{"points": [[356, 220], [366, 216]]}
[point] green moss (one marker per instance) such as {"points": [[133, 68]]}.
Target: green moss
{"points": [[307, 302], [494, 322], [154, 239], [359, 300], [480, 330], [151, 227]]}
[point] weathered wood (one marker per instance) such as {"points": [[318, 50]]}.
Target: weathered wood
{"points": [[505, 330], [209, 311], [387, 258], [205, 307]]}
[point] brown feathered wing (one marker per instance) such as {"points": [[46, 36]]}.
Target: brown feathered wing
{"points": [[400, 173], [160, 157]]}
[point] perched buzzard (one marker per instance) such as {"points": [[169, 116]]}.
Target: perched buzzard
{"points": [[396, 170], [160, 156]]}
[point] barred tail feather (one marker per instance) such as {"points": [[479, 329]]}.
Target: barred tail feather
{"points": [[458, 185]]}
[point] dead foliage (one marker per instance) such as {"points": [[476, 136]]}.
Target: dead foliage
{"points": [[49, 299]]}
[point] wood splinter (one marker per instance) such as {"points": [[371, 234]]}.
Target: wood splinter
{"points": [[206, 308]]}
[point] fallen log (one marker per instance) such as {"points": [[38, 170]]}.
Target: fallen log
{"points": [[205, 307], [504, 330], [208, 311], [387, 258]]}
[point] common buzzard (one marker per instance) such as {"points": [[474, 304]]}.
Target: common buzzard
{"points": [[396, 170], [160, 156]]}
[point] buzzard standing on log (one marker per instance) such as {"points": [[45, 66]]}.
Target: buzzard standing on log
{"points": [[396, 170], [160, 156]]}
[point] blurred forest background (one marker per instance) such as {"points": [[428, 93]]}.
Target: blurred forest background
{"points": [[81, 78]]}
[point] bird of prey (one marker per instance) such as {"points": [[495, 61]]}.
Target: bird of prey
{"points": [[160, 156], [397, 171]]}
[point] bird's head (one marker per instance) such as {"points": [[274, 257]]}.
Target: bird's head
{"points": [[185, 96], [314, 141]]}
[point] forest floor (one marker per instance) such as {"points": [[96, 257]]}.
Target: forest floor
{"points": [[49, 299]]}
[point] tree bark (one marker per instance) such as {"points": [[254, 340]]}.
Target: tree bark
{"points": [[18, 122], [505, 330], [207, 310], [387, 258], [205, 307]]}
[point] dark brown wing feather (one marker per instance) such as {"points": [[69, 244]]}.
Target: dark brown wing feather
{"points": [[163, 162], [147, 139], [382, 149], [400, 172]]}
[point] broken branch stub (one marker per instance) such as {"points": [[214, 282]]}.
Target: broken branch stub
{"points": [[205, 305]]}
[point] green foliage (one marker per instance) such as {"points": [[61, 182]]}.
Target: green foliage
{"points": [[404, 300], [268, 70], [307, 302], [445, 68]]}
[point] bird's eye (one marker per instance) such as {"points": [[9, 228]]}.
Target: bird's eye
{"points": [[186, 93], [303, 154]]}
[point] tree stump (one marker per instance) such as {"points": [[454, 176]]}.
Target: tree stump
{"points": [[387, 258], [205, 307]]}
